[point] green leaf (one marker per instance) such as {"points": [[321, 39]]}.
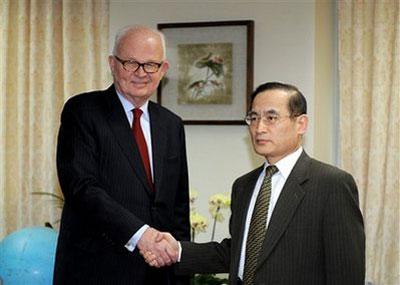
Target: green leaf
{"points": [[206, 58], [208, 279], [217, 69], [203, 62], [57, 197]]}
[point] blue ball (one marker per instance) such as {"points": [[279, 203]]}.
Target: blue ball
{"points": [[27, 256]]}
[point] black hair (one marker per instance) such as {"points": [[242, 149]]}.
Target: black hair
{"points": [[297, 103]]}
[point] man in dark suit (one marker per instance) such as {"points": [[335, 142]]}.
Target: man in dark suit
{"points": [[121, 184], [311, 228]]}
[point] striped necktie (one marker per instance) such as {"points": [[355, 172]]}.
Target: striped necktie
{"points": [[257, 229]]}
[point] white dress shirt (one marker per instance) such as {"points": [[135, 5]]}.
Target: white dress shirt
{"points": [[145, 124], [278, 180]]}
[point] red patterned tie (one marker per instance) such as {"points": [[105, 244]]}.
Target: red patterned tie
{"points": [[141, 143]]}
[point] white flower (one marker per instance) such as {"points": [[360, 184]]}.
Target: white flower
{"points": [[193, 194], [218, 202], [198, 222]]}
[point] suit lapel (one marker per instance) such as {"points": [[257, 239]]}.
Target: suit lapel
{"points": [[122, 131], [245, 197], [158, 141], [285, 208]]}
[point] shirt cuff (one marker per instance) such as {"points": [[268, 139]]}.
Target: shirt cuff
{"points": [[180, 252], [131, 244]]}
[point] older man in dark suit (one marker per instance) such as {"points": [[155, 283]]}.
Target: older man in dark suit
{"points": [[122, 167], [295, 220]]}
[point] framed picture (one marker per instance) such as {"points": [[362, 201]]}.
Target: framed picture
{"points": [[210, 78]]}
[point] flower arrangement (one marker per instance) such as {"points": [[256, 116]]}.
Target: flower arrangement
{"points": [[199, 223], [216, 203]]}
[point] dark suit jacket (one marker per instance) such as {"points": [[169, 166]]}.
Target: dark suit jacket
{"points": [[315, 235], [107, 197]]}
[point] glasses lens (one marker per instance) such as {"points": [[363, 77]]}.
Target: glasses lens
{"points": [[131, 65], [250, 118], [151, 67]]}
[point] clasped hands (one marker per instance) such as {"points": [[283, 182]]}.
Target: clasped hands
{"points": [[158, 248]]}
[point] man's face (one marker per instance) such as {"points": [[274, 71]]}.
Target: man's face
{"points": [[137, 86], [276, 135]]}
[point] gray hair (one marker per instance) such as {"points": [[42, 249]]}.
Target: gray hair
{"points": [[125, 30]]}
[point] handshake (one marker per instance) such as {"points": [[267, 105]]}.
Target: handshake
{"points": [[158, 248]]}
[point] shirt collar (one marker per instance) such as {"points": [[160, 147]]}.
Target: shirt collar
{"points": [[286, 164], [128, 106]]}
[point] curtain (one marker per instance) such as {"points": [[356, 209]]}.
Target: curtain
{"points": [[49, 50], [369, 74]]}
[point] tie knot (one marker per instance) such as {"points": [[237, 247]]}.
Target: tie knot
{"points": [[271, 170], [137, 113]]}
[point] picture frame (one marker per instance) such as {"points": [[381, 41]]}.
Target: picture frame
{"points": [[210, 77]]}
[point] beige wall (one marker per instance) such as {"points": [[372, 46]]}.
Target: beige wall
{"points": [[326, 104], [285, 43]]}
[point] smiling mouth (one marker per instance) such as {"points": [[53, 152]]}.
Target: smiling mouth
{"points": [[262, 141], [139, 83]]}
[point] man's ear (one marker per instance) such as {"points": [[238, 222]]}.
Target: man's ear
{"points": [[302, 124], [164, 67], [111, 63]]}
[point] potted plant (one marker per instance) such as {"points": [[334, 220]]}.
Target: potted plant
{"points": [[199, 223]]}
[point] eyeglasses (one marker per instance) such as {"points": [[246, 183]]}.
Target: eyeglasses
{"points": [[270, 119], [133, 65]]}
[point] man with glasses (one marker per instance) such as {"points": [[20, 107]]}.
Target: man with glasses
{"points": [[122, 167], [294, 220]]}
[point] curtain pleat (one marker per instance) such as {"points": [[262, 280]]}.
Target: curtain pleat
{"points": [[369, 60], [49, 51]]}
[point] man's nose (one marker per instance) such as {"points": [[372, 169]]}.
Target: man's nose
{"points": [[261, 126]]}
